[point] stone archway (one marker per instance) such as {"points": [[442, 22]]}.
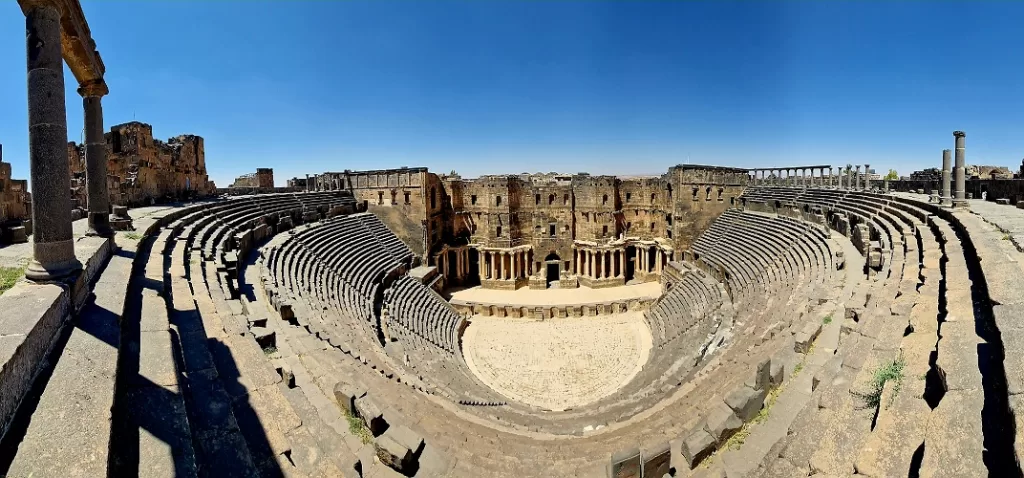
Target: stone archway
{"points": [[552, 270]]}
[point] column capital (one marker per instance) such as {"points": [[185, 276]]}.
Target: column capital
{"points": [[94, 88], [959, 134], [27, 5]]}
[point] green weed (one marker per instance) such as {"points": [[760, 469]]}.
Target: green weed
{"points": [[10, 276]]}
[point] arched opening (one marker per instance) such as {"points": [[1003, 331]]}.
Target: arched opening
{"points": [[552, 268]]}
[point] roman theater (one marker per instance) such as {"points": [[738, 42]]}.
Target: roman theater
{"points": [[794, 320]]}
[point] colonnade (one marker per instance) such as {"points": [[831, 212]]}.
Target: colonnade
{"points": [[457, 269], [813, 176], [511, 264], [599, 264], [56, 30]]}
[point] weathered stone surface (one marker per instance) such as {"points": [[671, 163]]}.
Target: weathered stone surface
{"points": [[392, 453], [745, 402], [372, 414], [346, 394], [760, 379], [722, 422], [696, 446]]}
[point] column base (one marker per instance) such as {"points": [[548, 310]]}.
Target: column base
{"points": [[99, 225], [55, 270], [961, 204]]}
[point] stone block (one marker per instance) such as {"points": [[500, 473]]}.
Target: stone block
{"points": [[760, 378], [405, 436], [746, 402], [393, 454], [372, 414], [657, 460], [697, 445], [346, 394], [625, 463], [722, 422]]}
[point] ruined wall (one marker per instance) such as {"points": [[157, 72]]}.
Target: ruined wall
{"points": [[646, 209], [492, 204], [699, 194], [412, 201], [547, 218], [550, 212], [15, 200], [263, 178], [142, 170]]}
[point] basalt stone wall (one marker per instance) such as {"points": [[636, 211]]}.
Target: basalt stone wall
{"points": [[645, 207], [1012, 189], [415, 193], [699, 194], [548, 211]]}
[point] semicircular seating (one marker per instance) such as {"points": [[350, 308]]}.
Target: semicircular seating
{"points": [[294, 316]]}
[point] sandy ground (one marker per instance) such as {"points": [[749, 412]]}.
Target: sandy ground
{"points": [[557, 364]]}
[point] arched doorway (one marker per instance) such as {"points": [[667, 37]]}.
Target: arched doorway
{"points": [[552, 268]]}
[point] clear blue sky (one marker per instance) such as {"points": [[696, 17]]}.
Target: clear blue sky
{"points": [[489, 87]]}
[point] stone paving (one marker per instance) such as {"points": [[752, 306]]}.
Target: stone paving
{"points": [[557, 364], [16, 255], [581, 295]]}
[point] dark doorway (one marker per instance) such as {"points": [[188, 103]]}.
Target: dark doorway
{"points": [[630, 259], [552, 268], [453, 267], [473, 278]]}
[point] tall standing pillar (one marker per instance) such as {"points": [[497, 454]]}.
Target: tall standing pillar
{"points": [[53, 248], [960, 173], [867, 178], [96, 160], [947, 159], [856, 178], [307, 183]]}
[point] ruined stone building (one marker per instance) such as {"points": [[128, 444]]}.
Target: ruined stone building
{"points": [[15, 203], [262, 178], [989, 172], [297, 183], [142, 169], [538, 230]]}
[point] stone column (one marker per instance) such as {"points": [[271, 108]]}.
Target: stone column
{"points": [[494, 265], [885, 184], [622, 263], [947, 198], [307, 183], [959, 174], [96, 160], [856, 178], [867, 179], [53, 249]]}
